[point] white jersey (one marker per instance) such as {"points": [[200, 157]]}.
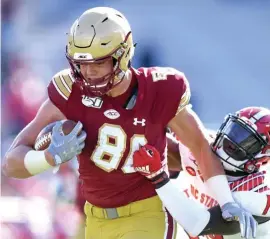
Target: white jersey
{"points": [[192, 184]]}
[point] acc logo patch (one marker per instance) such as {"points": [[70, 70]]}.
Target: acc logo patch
{"points": [[111, 114]]}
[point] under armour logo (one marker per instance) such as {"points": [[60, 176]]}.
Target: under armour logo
{"points": [[142, 122]]}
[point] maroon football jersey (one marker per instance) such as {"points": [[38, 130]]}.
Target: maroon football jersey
{"points": [[114, 133]]}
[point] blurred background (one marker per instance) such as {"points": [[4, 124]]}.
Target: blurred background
{"points": [[223, 47]]}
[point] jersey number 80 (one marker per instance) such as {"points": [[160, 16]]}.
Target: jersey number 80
{"points": [[112, 144]]}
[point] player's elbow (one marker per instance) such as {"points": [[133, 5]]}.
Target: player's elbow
{"points": [[7, 170], [11, 170], [13, 173], [4, 169]]}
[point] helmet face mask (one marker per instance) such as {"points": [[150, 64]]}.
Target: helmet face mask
{"points": [[99, 34], [98, 85], [241, 143]]}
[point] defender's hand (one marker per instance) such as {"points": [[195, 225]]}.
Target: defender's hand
{"points": [[65, 147], [233, 212], [147, 162]]}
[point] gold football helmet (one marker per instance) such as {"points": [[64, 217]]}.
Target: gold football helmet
{"points": [[100, 33]]}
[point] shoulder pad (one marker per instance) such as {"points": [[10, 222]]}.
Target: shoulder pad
{"points": [[63, 82], [176, 80]]}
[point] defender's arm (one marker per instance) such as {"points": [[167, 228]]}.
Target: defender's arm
{"points": [[256, 203], [217, 225], [197, 220]]}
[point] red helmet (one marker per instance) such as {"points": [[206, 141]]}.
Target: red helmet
{"points": [[243, 140]]}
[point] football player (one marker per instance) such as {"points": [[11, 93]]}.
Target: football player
{"points": [[119, 108], [243, 145]]}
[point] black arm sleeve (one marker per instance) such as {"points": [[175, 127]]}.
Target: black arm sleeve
{"points": [[217, 225]]}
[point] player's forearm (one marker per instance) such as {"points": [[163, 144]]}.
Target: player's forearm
{"points": [[214, 175], [15, 162], [207, 161], [256, 203], [189, 214]]}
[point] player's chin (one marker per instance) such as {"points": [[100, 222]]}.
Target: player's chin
{"points": [[97, 81]]}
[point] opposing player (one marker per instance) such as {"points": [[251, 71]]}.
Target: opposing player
{"points": [[243, 145], [119, 108]]}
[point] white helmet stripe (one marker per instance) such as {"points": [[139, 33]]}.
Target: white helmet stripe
{"points": [[259, 115]]}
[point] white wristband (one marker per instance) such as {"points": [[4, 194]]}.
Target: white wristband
{"points": [[35, 162], [220, 190]]}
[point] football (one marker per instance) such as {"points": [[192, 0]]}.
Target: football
{"points": [[43, 139]]}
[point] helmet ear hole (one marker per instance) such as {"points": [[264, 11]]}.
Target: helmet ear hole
{"points": [[127, 52], [129, 64], [268, 137], [114, 61]]}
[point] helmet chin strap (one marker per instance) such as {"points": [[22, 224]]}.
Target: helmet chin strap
{"points": [[235, 174], [262, 155]]}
